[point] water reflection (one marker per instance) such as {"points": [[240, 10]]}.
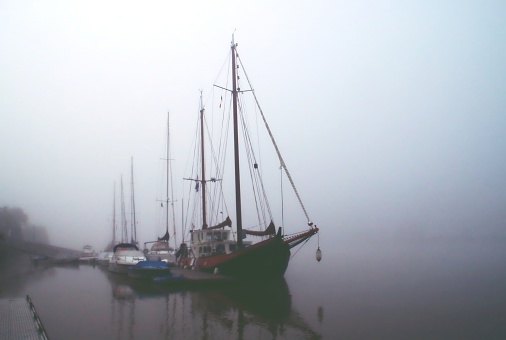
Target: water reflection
{"points": [[402, 291], [258, 310], [16, 270]]}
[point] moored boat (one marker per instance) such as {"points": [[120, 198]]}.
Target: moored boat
{"points": [[88, 254], [125, 255], [88, 251], [212, 247], [105, 257], [155, 271], [160, 251]]}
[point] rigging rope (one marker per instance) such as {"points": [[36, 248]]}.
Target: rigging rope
{"points": [[283, 165], [293, 255]]}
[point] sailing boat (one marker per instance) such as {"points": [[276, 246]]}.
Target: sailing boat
{"points": [[105, 256], [216, 248], [161, 249], [125, 254]]}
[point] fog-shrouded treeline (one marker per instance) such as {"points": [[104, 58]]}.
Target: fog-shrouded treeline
{"points": [[15, 226]]}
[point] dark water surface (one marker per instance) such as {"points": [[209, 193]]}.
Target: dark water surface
{"points": [[361, 290]]}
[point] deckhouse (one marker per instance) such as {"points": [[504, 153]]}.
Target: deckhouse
{"points": [[206, 242]]}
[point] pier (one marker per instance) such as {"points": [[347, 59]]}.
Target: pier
{"points": [[19, 320]]}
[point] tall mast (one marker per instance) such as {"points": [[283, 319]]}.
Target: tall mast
{"points": [[204, 213], [169, 180], [236, 149], [133, 231], [170, 185], [114, 217], [167, 188], [124, 231]]}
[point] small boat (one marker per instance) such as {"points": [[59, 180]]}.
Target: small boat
{"points": [[105, 257], [88, 251], [158, 271], [212, 245], [88, 254], [125, 256], [161, 251]]}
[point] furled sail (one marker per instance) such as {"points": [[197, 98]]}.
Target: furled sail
{"points": [[271, 230], [165, 237], [226, 223]]}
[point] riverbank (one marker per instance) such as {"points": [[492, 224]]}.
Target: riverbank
{"points": [[15, 269]]}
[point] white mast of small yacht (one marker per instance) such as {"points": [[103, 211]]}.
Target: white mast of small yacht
{"points": [[124, 232], [133, 222]]}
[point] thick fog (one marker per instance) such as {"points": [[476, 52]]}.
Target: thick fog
{"points": [[391, 116]]}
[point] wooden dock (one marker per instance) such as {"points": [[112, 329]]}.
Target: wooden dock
{"points": [[19, 320]]}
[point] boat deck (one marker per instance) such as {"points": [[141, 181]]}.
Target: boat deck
{"points": [[19, 320]]}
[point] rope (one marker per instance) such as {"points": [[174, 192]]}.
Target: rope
{"points": [[283, 165], [305, 241]]}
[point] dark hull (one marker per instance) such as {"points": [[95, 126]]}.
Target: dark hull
{"points": [[147, 273], [266, 259]]}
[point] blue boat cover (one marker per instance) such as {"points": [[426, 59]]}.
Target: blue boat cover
{"points": [[151, 265]]}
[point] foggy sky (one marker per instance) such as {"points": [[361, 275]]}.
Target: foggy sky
{"points": [[391, 116]]}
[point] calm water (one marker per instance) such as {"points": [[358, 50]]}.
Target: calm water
{"points": [[359, 291]]}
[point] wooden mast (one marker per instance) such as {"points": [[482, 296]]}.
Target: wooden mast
{"points": [[133, 232], [238, 211], [167, 188], [203, 180], [114, 217]]}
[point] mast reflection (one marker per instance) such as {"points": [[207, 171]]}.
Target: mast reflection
{"points": [[260, 309]]}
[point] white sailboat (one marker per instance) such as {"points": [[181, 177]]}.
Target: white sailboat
{"points": [[126, 254], [161, 250]]}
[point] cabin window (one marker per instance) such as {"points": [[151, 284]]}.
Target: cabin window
{"points": [[209, 236], [232, 247], [205, 250], [220, 248]]}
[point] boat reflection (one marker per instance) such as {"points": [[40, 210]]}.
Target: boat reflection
{"points": [[262, 309]]}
